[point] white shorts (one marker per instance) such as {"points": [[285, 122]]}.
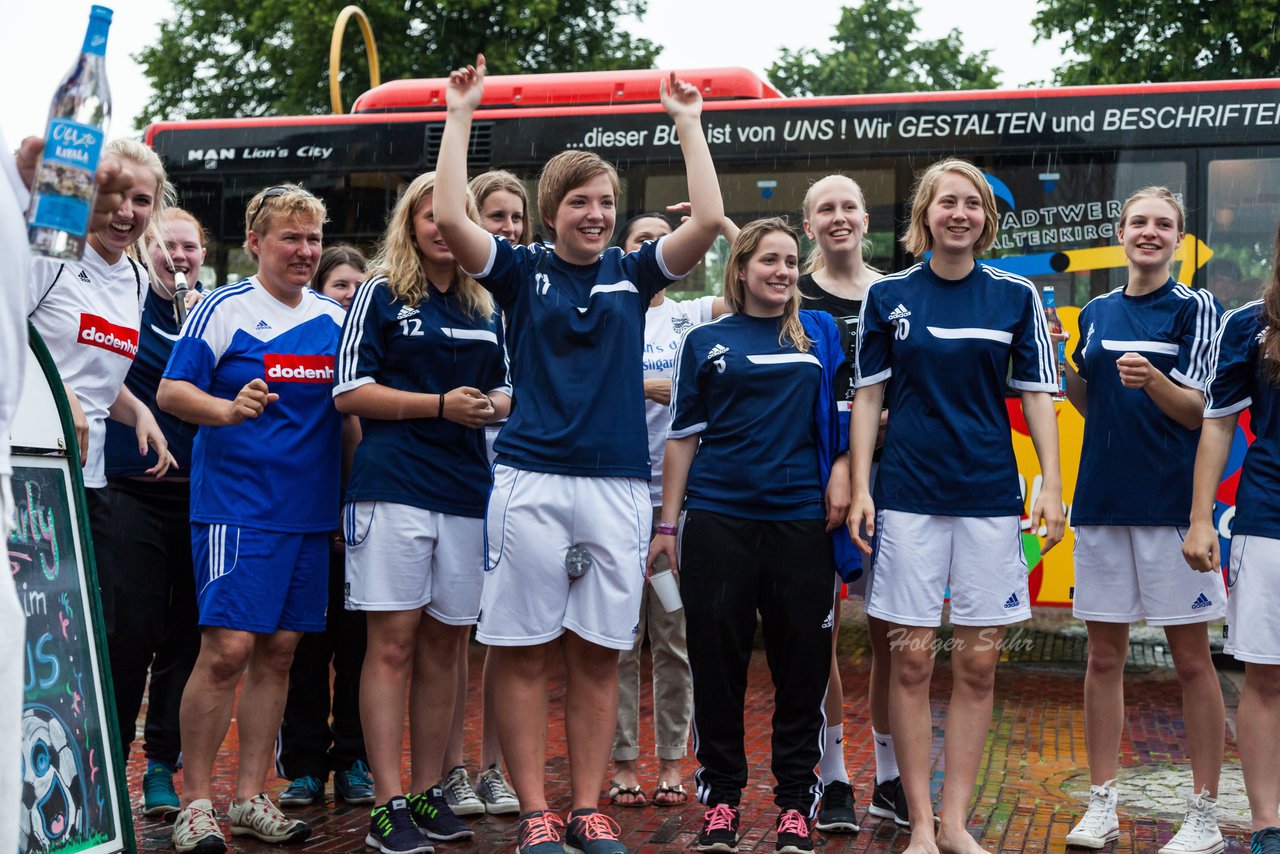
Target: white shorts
{"points": [[534, 519], [1253, 632], [400, 558], [917, 557], [1130, 573]]}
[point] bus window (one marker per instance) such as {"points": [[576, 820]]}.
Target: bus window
{"points": [[1243, 206], [1058, 217]]}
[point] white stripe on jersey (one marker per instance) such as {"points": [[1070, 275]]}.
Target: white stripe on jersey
{"points": [[1163, 347], [200, 315], [470, 334], [614, 288], [972, 332], [783, 358], [1048, 353], [1206, 318], [675, 376], [1210, 411], [353, 332]]}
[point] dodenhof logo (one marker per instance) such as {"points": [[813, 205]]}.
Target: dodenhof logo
{"points": [[288, 368], [100, 332]]}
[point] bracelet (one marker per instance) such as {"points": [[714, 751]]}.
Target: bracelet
{"points": [[440, 414], [669, 528]]}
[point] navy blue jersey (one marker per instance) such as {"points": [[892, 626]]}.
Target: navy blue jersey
{"points": [[155, 344], [575, 336], [1136, 462], [279, 471], [1238, 383], [945, 349], [750, 401], [428, 348]]}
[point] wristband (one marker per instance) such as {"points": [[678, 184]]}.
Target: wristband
{"points": [[440, 414], [669, 528]]}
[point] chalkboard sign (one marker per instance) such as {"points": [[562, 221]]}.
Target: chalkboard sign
{"points": [[74, 794]]}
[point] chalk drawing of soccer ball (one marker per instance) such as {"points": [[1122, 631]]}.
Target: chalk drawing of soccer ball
{"points": [[52, 812]]}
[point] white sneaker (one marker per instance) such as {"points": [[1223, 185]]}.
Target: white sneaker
{"points": [[196, 829], [459, 795], [498, 797], [1099, 825], [1199, 833], [259, 818]]}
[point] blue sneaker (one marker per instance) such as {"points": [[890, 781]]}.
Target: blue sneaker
{"points": [[159, 798], [392, 831], [302, 792], [1265, 841], [432, 815], [539, 833], [354, 785], [592, 832]]}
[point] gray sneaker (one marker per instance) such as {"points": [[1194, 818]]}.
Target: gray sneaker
{"points": [[497, 796], [459, 795]]}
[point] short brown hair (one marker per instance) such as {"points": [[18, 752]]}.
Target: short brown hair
{"points": [[567, 170], [918, 240], [272, 203]]}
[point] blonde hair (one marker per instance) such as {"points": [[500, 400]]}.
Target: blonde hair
{"points": [[487, 183], [1163, 194], [744, 246], [918, 240], [815, 261], [565, 171], [165, 197], [270, 204], [172, 214], [400, 260]]}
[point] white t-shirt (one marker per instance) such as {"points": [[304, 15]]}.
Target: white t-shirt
{"points": [[14, 264], [664, 326], [89, 315]]}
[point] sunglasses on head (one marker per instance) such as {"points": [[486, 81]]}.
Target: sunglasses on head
{"points": [[271, 193]]}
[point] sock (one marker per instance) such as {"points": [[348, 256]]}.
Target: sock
{"points": [[152, 763], [831, 767], [886, 761]]}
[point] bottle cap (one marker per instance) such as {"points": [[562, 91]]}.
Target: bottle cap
{"points": [[95, 38]]}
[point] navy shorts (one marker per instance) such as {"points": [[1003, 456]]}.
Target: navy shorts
{"points": [[260, 581]]}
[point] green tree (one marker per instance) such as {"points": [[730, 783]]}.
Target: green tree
{"points": [[876, 48], [219, 58], [1161, 40]]}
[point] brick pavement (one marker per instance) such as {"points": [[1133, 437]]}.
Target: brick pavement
{"points": [[1028, 795]]}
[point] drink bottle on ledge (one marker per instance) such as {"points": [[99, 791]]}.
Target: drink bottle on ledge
{"points": [[62, 196]]}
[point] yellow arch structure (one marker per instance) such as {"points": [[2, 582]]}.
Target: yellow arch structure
{"points": [[335, 54]]}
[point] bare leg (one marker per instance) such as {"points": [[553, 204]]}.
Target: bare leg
{"points": [[1257, 722], [878, 686], [490, 751], [1202, 706], [453, 756], [261, 707], [431, 698], [520, 716], [973, 668], [1104, 698], [911, 658], [383, 689], [206, 705], [591, 712]]}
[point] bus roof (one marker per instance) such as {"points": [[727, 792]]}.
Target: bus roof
{"points": [[576, 89]]}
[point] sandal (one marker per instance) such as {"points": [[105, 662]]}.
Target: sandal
{"points": [[626, 796], [670, 796]]}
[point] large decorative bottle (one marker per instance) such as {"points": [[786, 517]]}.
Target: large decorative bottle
{"points": [[62, 197]]}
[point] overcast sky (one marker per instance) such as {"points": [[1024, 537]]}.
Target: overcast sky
{"points": [[38, 44]]}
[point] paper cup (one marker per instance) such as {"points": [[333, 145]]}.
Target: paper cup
{"points": [[668, 590]]}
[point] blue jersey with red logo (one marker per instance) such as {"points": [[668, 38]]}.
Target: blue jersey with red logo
{"points": [[279, 471], [1238, 383]]}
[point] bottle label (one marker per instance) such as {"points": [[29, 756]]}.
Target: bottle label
{"points": [[64, 185]]}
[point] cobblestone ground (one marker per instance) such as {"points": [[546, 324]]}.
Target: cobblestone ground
{"points": [[1028, 796]]}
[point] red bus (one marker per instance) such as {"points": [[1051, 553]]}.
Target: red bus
{"points": [[1061, 161]]}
